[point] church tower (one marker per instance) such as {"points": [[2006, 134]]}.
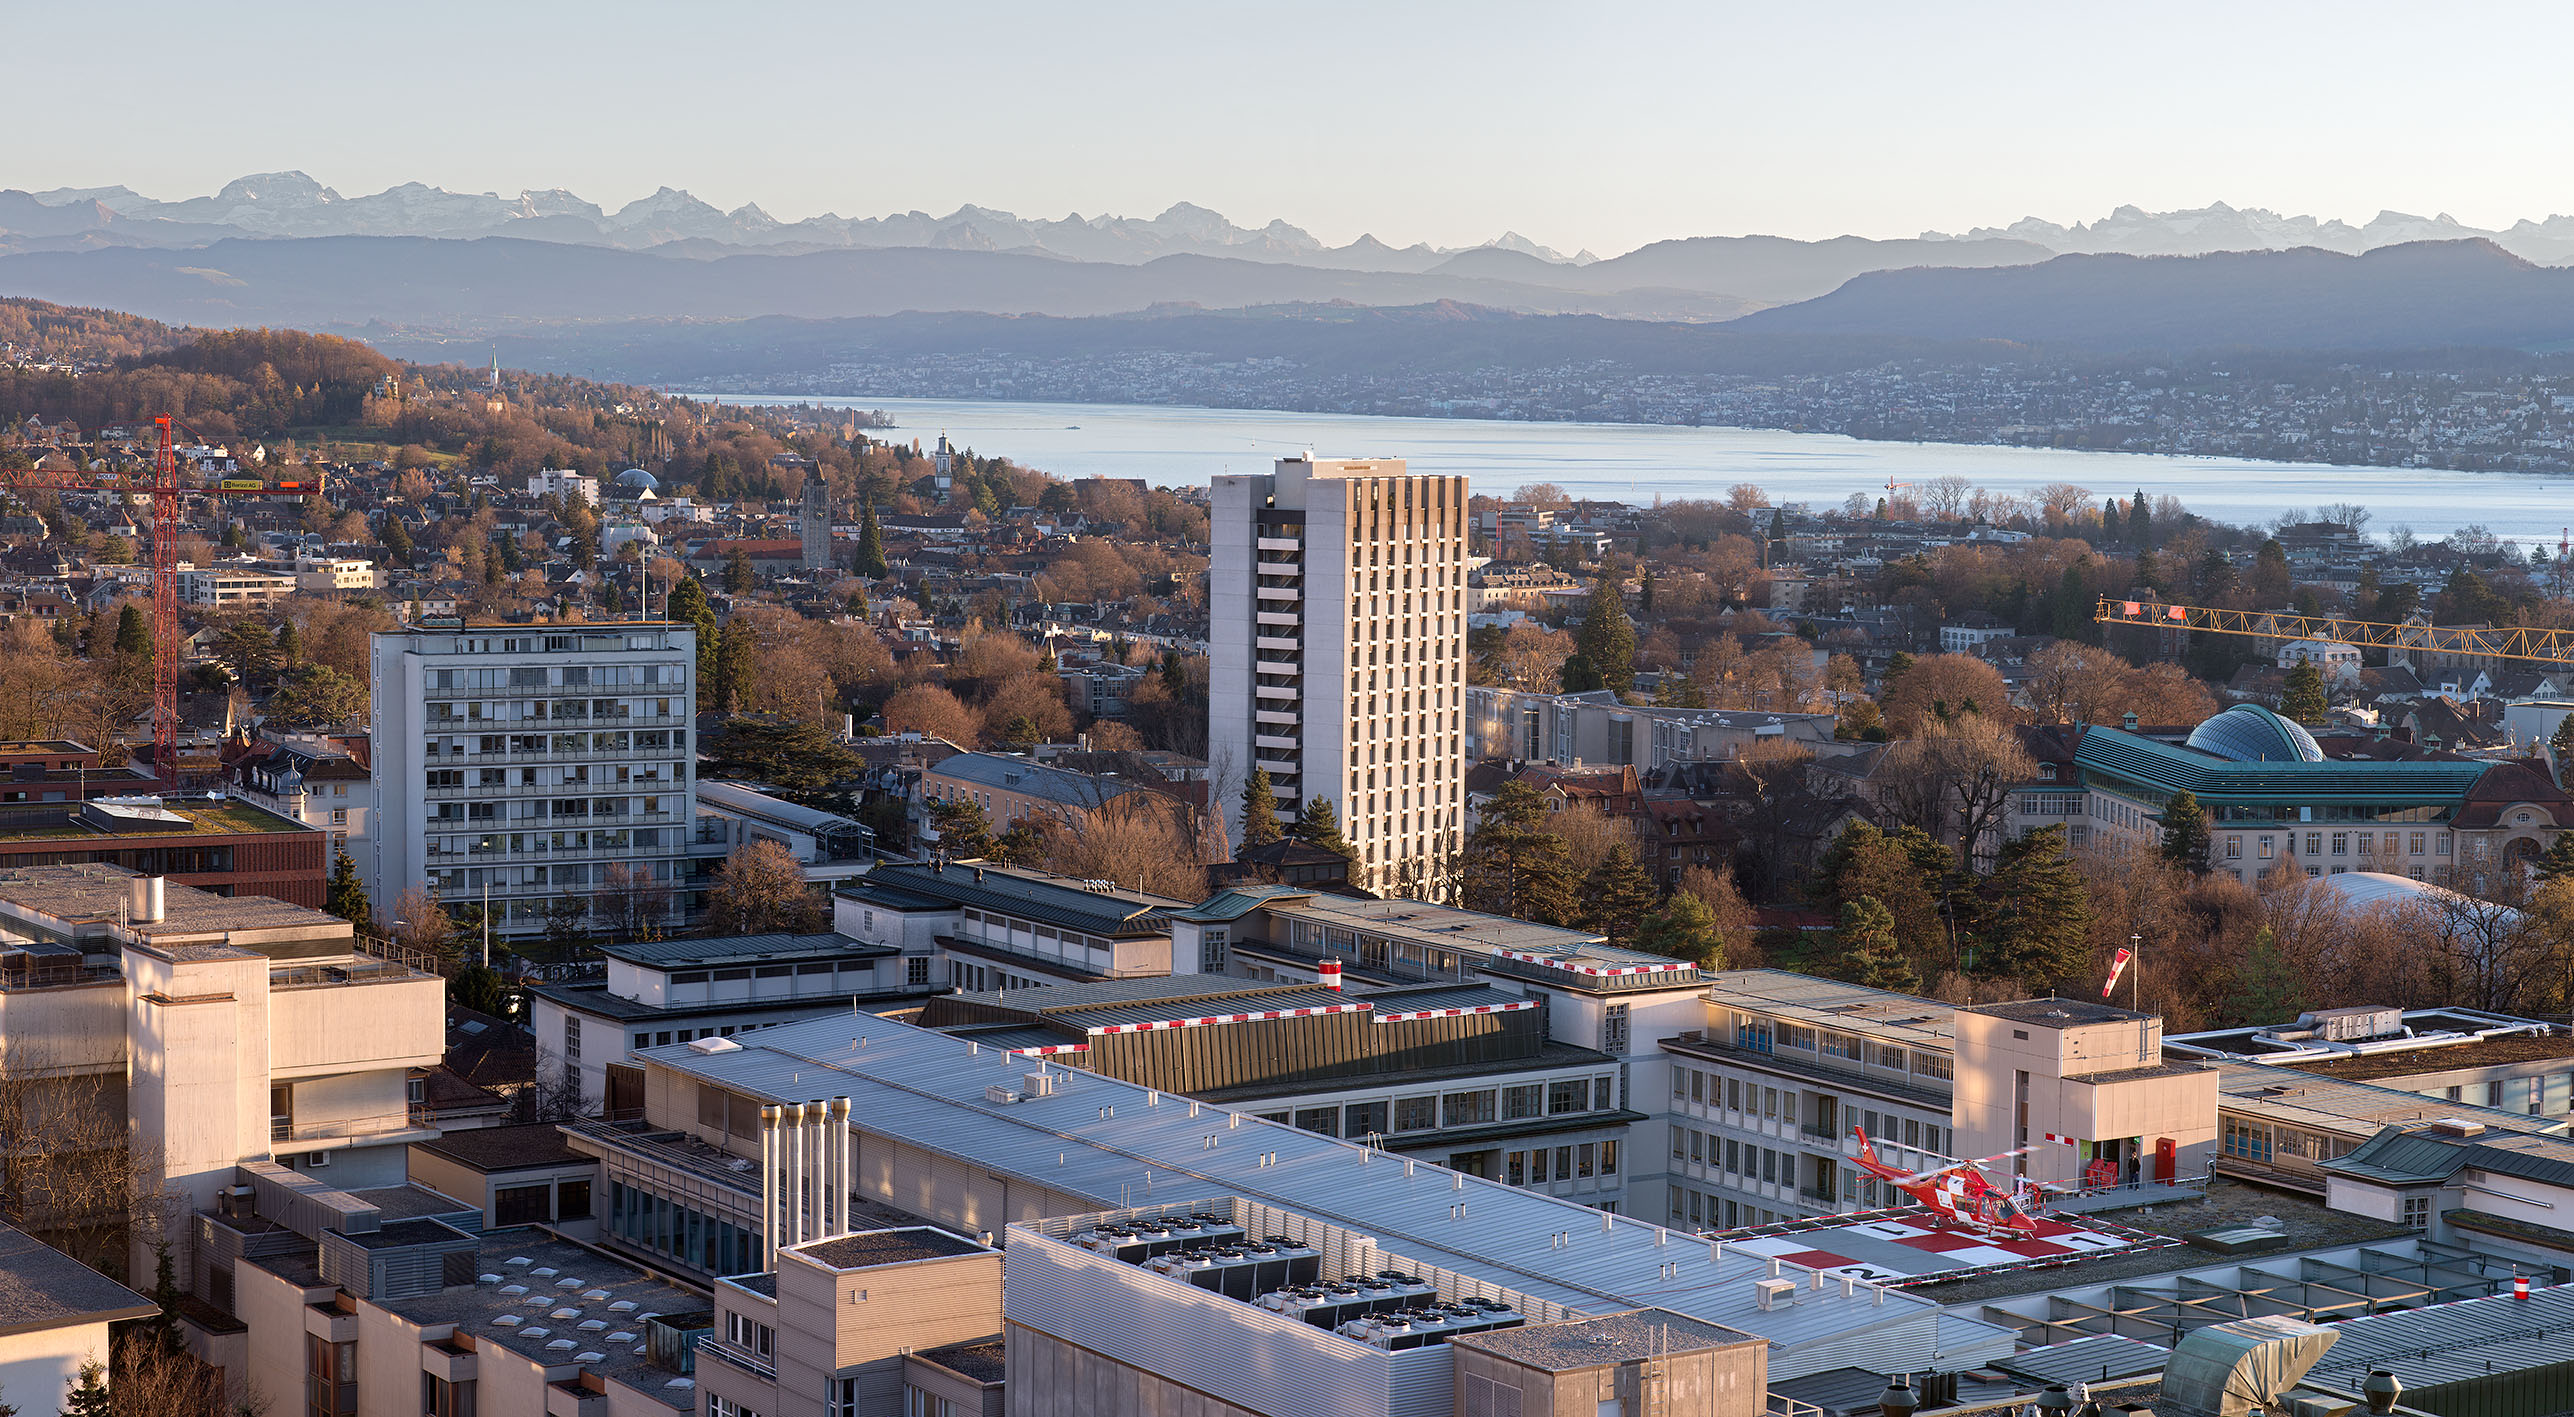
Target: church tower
{"points": [[815, 523]]}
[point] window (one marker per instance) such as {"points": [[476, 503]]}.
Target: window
{"points": [[2265, 848], [1608, 1158], [916, 971], [750, 1335], [330, 1371], [1363, 1119], [571, 1040], [520, 1205], [1521, 1103], [1613, 1029], [1563, 1097], [2233, 847], [1890, 1056], [2417, 1212], [1586, 1159], [1416, 1114], [1466, 1109], [1933, 1065], [1600, 1095], [2341, 843], [1326, 1120], [572, 1200], [1211, 949], [441, 1398]]}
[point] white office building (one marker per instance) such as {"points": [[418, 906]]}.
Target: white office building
{"points": [[1337, 647], [523, 761]]}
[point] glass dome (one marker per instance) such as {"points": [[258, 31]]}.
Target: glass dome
{"points": [[2249, 733], [637, 477]]}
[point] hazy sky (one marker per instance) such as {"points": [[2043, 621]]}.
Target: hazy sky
{"points": [[1579, 125]]}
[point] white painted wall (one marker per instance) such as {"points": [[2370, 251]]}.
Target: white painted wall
{"points": [[37, 1368]]}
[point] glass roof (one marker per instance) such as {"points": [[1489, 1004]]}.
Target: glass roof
{"points": [[2249, 733]]}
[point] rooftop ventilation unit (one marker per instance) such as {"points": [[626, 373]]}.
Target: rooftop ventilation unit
{"points": [[1770, 1293], [1243, 1271]]}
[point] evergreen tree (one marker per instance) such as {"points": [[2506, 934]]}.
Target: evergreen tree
{"points": [[2185, 831], [1869, 952], [734, 660], [290, 642], [2036, 917], [1617, 895], [87, 1395], [2559, 860], [2304, 700], [163, 1327], [346, 894], [133, 632], [1907, 872], [2561, 748], [1317, 824], [688, 606], [1683, 929], [1020, 734], [2266, 987], [1259, 810], [737, 573], [1644, 593], [1512, 865], [2140, 521], [1175, 673], [397, 540], [1607, 638], [480, 989], [2073, 607], [871, 543], [2110, 523], [963, 831], [1577, 675], [2270, 578], [1022, 845]]}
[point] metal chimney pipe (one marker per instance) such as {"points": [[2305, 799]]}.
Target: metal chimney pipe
{"points": [[818, 1158], [840, 1146], [794, 1226], [768, 1189]]}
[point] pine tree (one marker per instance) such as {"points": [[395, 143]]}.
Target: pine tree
{"points": [[963, 831], [1607, 638], [1318, 824], [1644, 593], [346, 896], [1259, 810], [737, 573], [290, 643], [1683, 929], [2035, 916], [163, 1327], [1578, 675], [2266, 987], [87, 1395], [2304, 700], [871, 544], [2185, 831], [397, 540], [2559, 860], [2140, 521], [734, 659], [1511, 865], [1617, 895], [133, 632], [2561, 748], [1869, 952], [688, 606]]}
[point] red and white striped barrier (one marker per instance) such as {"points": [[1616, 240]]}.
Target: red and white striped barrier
{"points": [[2062, 1140], [1050, 1050], [1599, 970], [1161, 1023], [1510, 1008]]}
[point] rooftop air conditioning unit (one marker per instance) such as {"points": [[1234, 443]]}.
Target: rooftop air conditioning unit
{"points": [[998, 1095], [1037, 1084], [1770, 1293]]}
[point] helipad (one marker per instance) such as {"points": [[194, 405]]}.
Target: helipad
{"points": [[1915, 1245]]}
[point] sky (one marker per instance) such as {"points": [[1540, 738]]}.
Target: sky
{"points": [[1602, 126]]}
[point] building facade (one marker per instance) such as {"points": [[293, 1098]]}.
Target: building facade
{"points": [[522, 761], [1337, 647]]}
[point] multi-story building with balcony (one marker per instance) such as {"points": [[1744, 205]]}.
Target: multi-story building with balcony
{"points": [[520, 762], [1337, 648]]}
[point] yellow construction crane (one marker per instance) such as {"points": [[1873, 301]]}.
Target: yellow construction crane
{"points": [[2500, 642]]}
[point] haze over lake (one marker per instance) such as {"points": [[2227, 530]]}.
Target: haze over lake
{"points": [[1639, 462]]}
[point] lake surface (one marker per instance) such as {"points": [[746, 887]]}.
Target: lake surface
{"points": [[1636, 463]]}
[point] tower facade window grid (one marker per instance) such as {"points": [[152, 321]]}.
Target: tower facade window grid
{"points": [[1337, 649]]}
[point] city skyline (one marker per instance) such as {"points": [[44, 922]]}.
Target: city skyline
{"points": [[1664, 122]]}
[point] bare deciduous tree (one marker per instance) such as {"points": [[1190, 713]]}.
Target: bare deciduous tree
{"points": [[760, 889]]}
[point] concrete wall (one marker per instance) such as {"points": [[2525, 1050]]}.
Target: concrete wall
{"points": [[1992, 1050], [836, 1321], [1721, 1382], [36, 1368], [272, 1309], [340, 1027], [1051, 1378], [200, 1079], [971, 1399]]}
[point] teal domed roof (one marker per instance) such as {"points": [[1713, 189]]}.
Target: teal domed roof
{"points": [[2249, 733]]}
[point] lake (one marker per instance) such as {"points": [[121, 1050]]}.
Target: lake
{"points": [[1635, 462]]}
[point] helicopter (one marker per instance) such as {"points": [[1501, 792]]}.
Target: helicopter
{"points": [[1957, 1191]]}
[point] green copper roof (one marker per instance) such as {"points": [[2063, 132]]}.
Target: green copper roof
{"points": [[2168, 768]]}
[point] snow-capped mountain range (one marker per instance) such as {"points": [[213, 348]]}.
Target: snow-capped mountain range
{"points": [[292, 204], [2136, 232]]}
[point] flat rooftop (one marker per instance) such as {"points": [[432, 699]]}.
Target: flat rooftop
{"points": [[2432, 1058], [868, 1249], [2295, 1097], [191, 817], [2057, 1013], [1830, 1003], [41, 1287], [743, 949], [1576, 1344], [522, 1148], [96, 892]]}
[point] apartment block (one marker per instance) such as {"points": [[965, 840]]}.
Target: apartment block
{"points": [[1337, 642], [830, 1331], [520, 762]]}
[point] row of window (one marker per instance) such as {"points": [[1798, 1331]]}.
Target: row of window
{"points": [[1761, 1034], [708, 1243], [2360, 844], [1701, 1211], [647, 741], [1545, 1166], [1432, 1111], [570, 675]]}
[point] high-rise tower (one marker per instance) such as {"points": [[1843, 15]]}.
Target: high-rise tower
{"points": [[1337, 649], [814, 524]]}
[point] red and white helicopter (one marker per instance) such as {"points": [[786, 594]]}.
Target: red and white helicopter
{"points": [[1957, 1191]]}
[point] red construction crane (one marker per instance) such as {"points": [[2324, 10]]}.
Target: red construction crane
{"points": [[162, 485]]}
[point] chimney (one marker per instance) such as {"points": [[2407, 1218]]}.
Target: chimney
{"points": [[147, 901], [1330, 970]]}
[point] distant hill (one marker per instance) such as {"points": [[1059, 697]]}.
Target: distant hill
{"points": [[1764, 270], [497, 283], [46, 332], [2421, 295]]}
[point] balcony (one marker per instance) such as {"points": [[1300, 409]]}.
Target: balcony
{"points": [[1278, 617], [1265, 740], [1280, 543], [1283, 718], [738, 1357], [1286, 667], [1287, 593], [352, 1128], [1281, 568], [1275, 642]]}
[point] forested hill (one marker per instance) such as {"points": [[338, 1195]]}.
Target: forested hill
{"points": [[42, 332]]}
